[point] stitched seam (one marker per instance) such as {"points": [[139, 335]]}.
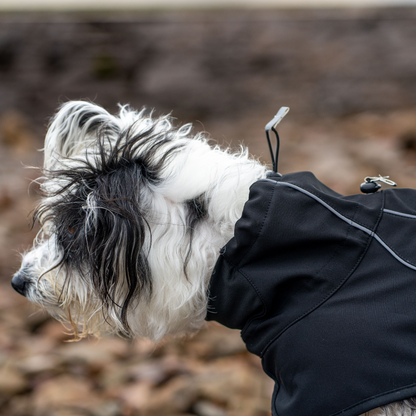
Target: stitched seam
{"points": [[255, 289], [356, 224], [318, 304], [326, 298], [374, 397], [226, 258], [318, 273], [323, 202], [274, 401], [253, 284], [261, 227]]}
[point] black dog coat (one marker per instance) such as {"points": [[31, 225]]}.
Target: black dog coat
{"points": [[323, 287]]}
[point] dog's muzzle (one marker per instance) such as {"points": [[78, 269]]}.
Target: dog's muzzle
{"points": [[20, 282]]}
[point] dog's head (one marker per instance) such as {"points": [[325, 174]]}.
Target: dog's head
{"points": [[132, 218]]}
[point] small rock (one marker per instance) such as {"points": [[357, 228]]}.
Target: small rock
{"points": [[204, 408], [107, 409]]}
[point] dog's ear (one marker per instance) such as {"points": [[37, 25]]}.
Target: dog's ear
{"points": [[106, 238], [72, 130], [117, 257]]}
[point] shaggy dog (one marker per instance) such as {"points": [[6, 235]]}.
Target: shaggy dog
{"points": [[134, 214]]}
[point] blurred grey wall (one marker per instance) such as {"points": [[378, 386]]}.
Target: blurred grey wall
{"points": [[211, 64]]}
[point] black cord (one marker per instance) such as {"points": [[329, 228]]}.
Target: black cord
{"points": [[274, 155]]}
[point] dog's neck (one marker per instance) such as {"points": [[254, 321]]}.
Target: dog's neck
{"points": [[229, 192], [182, 258], [219, 179]]}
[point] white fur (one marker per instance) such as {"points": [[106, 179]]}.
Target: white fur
{"points": [[178, 304]]}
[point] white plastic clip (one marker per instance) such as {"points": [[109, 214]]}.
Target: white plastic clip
{"points": [[277, 118], [379, 178]]}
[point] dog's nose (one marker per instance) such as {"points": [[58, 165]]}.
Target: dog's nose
{"points": [[20, 283]]}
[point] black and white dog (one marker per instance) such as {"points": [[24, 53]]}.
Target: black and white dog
{"points": [[134, 214]]}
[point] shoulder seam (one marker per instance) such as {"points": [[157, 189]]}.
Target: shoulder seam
{"points": [[352, 223]]}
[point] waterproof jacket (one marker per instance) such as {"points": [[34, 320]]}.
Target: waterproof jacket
{"points": [[323, 289]]}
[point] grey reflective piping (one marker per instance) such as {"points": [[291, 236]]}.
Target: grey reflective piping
{"points": [[400, 214], [347, 220], [304, 191], [410, 266]]}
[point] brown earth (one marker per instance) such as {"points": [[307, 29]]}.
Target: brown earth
{"points": [[350, 79]]}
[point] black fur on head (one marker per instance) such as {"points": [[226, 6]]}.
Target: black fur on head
{"points": [[98, 212]]}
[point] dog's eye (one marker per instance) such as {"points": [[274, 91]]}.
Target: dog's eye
{"points": [[71, 230]]}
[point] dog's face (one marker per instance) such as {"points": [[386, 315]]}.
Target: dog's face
{"points": [[132, 220]]}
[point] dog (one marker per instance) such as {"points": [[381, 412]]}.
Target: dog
{"points": [[134, 214]]}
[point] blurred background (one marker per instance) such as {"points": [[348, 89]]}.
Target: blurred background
{"points": [[346, 69]]}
